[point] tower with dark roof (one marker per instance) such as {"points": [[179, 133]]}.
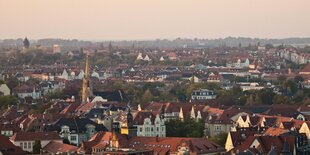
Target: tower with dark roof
{"points": [[26, 43]]}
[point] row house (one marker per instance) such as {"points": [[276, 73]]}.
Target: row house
{"points": [[26, 140], [294, 56], [7, 147], [9, 129], [26, 90], [75, 130], [52, 86], [72, 75], [149, 124], [111, 142], [240, 63], [36, 122], [203, 94], [176, 145], [246, 86], [265, 144], [223, 123]]}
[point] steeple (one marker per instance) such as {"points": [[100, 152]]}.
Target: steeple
{"points": [[85, 80], [129, 117], [26, 43]]}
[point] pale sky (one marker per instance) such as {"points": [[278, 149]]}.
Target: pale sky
{"points": [[151, 19]]}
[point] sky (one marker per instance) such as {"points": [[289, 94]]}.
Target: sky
{"points": [[153, 19]]}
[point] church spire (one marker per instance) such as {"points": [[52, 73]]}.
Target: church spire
{"points": [[85, 80]]}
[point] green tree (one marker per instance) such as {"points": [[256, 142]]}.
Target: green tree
{"points": [[37, 147], [281, 79], [250, 100], [147, 97], [12, 83], [8, 100], [266, 96], [291, 86], [55, 95], [187, 128], [298, 79], [219, 138], [280, 99]]}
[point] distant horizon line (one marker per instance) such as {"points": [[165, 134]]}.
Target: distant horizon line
{"points": [[153, 39]]}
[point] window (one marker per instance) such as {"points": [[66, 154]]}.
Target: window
{"points": [[218, 127], [25, 145], [73, 138], [140, 128], [157, 129], [29, 145], [21, 145]]}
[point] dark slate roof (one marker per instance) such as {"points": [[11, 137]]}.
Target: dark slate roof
{"points": [[116, 95], [77, 124], [96, 112]]}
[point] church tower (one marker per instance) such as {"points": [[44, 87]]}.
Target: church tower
{"points": [[85, 80], [129, 129]]}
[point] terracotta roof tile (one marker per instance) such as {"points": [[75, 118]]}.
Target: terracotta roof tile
{"points": [[57, 147], [24, 136]]}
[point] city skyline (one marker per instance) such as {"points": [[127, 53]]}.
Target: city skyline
{"points": [[148, 20]]}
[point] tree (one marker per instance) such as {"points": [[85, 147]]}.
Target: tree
{"points": [[147, 96], [8, 100], [225, 97], [37, 147], [266, 96], [280, 99], [250, 100], [12, 83], [291, 86], [219, 138], [298, 79], [187, 128], [55, 95], [281, 79]]}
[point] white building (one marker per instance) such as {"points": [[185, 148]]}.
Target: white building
{"points": [[26, 140], [56, 48], [203, 94], [139, 57], [151, 128], [147, 58], [250, 86], [4, 89]]}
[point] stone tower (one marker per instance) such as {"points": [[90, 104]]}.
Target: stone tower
{"points": [[85, 80]]}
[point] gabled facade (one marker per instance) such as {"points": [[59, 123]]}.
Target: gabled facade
{"points": [[152, 128], [26, 140]]}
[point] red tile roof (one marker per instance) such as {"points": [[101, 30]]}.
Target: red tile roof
{"points": [[100, 139], [24, 136], [306, 69], [7, 147], [163, 145], [275, 131], [57, 147]]}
